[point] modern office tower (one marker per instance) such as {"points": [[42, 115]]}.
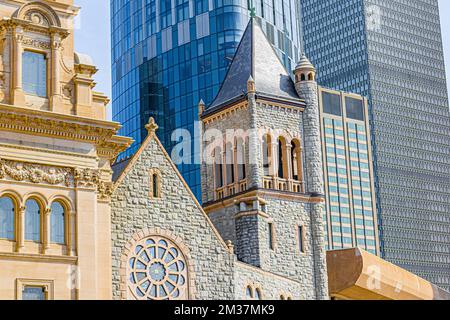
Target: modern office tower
{"points": [[351, 216], [167, 55], [391, 52]]}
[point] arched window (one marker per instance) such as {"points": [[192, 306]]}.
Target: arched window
{"points": [[310, 77], [32, 221], [249, 293], [296, 160], [57, 223], [155, 183], [229, 156], [218, 173], [258, 295], [302, 77], [240, 155], [267, 154], [282, 158], [7, 210]]}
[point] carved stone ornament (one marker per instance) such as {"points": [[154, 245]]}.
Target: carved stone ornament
{"points": [[36, 43], [35, 173], [105, 190], [87, 178], [37, 17]]}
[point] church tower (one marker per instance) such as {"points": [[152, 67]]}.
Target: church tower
{"points": [[55, 153], [262, 174]]}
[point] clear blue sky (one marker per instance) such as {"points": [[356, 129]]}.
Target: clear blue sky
{"points": [[92, 36]]}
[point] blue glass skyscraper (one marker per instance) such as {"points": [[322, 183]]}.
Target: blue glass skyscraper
{"points": [[391, 52], [169, 54]]}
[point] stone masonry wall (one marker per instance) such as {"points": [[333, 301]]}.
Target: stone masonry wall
{"points": [[177, 213], [271, 286], [308, 91]]}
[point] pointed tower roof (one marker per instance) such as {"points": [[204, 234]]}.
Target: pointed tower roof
{"points": [[255, 58], [304, 63]]}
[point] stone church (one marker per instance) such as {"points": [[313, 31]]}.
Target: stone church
{"points": [[76, 225], [260, 234]]}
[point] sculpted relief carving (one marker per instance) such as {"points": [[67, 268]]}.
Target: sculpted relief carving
{"points": [[67, 177], [35, 173]]}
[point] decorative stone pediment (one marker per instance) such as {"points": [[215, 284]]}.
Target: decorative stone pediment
{"points": [[38, 13]]}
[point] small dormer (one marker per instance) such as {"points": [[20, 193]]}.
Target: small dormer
{"points": [[304, 71]]}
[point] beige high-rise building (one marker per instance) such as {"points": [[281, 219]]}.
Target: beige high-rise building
{"points": [[55, 153]]}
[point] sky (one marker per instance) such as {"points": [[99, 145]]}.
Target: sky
{"points": [[92, 36]]}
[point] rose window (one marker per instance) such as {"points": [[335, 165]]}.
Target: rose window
{"points": [[157, 271]]}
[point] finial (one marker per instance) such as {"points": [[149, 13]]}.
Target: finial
{"points": [[201, 108], [252, 10], [251, 85], [151, 126], [230, 246]]}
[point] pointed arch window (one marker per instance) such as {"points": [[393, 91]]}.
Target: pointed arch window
{"points": [[7, 212], [57, 223], [32, 221]]}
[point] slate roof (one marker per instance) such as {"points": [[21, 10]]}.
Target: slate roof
{"points": [[119, 167], [257, 58]]}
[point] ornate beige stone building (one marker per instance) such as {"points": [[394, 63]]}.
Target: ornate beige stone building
{"points": [[55, 153]]}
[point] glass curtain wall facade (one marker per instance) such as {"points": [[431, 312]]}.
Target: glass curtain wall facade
{"points": [[391, 52], [351, 216], [169, 54]]}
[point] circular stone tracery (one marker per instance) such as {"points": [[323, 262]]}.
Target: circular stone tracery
{"points": [[157, 270]]}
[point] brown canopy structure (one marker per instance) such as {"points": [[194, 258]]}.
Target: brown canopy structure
{"points": [[354, 274]]}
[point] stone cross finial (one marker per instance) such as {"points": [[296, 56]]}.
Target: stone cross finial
{"points": [[151, 126]]}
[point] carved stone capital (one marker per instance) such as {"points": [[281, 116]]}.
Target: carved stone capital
{"points": [[86, 178]]}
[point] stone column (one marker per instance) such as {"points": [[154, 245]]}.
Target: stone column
{"points": [[71, 233], [46, 231], [55, 94], [20, 229], [308, 91], [255, 161], [18, 96]]}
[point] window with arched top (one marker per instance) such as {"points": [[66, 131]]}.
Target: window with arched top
{"points": [[229, 158], [267, 154], [218, 172], [296, 160], [32, 221], [57, 223], [258, 294], [249, 293], [7, 213], [155, 183], [302, 77], [310, 77], [282, 165], [240, 155]]}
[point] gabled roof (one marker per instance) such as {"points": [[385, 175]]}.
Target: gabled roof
{"points": [[257, 58], [121, 170]]}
